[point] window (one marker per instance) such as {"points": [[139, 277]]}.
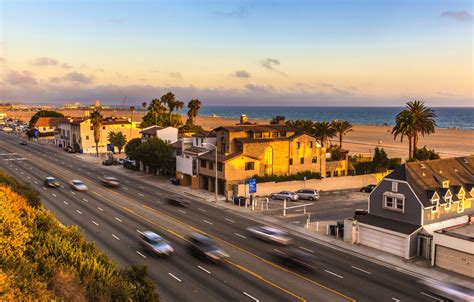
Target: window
{"points": [[283, 134], [449, 200], [258, 135], [298, 145], [314, 160], [87, 137], [434, 209], [249, 166], [240, 148], [394, 202], [103, 127], [343, 173], [302, 160], [328, 174], [223, 148], [388, 202], [394, 186], [446, 184], [203, 163], [211, 165], [274, 134], [92, 127], [335, 173], [291, 161], [461, 206], [400, 204], [220, 166], [202, 141], [311, 144]]}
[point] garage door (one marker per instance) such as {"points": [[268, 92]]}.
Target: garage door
{"points": [[382, 241], [454, 260]]}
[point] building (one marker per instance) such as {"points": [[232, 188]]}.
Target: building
{"points": [[416, 200], [167, 134], [246, 150], [79, 133], [187, 160], [47, 126]]}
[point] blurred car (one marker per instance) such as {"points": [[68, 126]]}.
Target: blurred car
{"points": [[368, 188], [284, 195], [109, 181], [448, 291], [206, 248], [78, 185], [174, 181], [109, 162], [51, 182], [156, 244], [270, 234], [70, 149], [7, 129], [120, 161], [23, 143], [295, 258], [178, 201], [309, 194]]}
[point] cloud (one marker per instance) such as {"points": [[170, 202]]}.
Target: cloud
{"points": [[78, 77], [338, 90], [24, 78], [460, 15], [66, 66], [272, 64], [237, 12], [242, 74], [44, 61], [258, 88], [175, 74], [445, 93]]}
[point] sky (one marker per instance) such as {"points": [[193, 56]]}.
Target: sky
{"points": [[276, 53]]}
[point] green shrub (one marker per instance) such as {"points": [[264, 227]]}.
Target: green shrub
{"points": [[31, 195], [281, 178]]}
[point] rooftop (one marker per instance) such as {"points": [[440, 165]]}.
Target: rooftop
{"points": [[389, 224], [464, 231], [257, 128], [50, 121]]}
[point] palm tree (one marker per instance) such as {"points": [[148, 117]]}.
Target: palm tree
{"points": [[155, 109], [117, 139], [302, 125], [342, 128], [144, 105], [323, 131], [194, 106], [96, 121]]}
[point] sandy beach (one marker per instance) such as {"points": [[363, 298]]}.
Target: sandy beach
{"points": [[363, 138]]}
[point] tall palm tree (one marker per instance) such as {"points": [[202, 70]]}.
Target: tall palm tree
{"points": [[342, 128], [155, 108], [302, 125], [404, 128], [194, 106], [96, 121], [144, 105], [323, 131]]}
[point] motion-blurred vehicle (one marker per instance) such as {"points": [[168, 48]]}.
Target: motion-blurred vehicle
{"points": [[120, 161], [109, 162], [178, 201], [51, 182], [206, 248], [23, 143], [174, 181], [295, 258], [368, 188], [155, 244], [109, 181], [308, 194], [70, 149], [270, 234], [448, 291], [284, 195], [7, 129], [78, 185]]}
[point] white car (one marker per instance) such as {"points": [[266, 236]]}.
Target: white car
{"points": [[155, 243], [270, 234], [78, 185], [285, 195]]}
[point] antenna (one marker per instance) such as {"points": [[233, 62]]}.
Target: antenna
{"points": [[123, 103]]}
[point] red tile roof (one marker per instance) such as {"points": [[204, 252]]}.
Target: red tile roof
{"points": [[50, 121]]}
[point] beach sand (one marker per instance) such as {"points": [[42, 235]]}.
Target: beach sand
{"points": [[363, 138]]}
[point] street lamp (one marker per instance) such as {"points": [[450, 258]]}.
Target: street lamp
{"points": [[215, 150]]}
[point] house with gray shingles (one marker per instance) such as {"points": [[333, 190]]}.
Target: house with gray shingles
{"points": [[416, 200]]}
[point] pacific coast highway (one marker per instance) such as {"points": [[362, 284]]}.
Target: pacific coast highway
{"points": [[113, 218]]}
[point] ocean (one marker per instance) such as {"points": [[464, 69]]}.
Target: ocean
{"points": [[462, 118]]}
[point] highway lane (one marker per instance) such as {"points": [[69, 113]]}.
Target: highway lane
{"points": [[269, 293], [381, 283]]}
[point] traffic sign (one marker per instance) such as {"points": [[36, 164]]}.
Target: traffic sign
{"points": [[252, 185]]}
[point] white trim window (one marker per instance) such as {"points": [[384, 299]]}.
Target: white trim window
{"points": [[461, 205], [448, 197], [435, 203], [394, 186], [394, 202]]}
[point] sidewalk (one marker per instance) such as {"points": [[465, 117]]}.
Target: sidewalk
{"points": [[418, 268]]}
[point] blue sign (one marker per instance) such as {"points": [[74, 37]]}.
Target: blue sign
{"points": [[252, 185], [36, 133]]}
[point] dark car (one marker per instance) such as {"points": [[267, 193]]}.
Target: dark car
{"points": [[51, 182], [295, 258], [109, 162], [178, 201], [174, 181], [368, 188], [206, 248], [23, 143]]}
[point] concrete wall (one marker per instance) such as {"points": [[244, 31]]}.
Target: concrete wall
{"points": [[168, 134], [453, 254], [184, 165], [325, 184]]}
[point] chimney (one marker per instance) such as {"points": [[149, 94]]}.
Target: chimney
{"points": [[243, 119]]}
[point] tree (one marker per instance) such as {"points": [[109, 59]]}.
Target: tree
{"points": [[277, 120], [131, 148], [159, 115], [44, 113], [425, 154], [302, 125], [170, 101], [380, 160], [342, 128], [96, 121], [144, 105], [323, 131], [156, 154], [193, 108], [117, 139]]}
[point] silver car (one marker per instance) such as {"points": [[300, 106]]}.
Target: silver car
{"points": [[78, 185], [284, 195], [156, 244], [270, 234], [309, 194]]}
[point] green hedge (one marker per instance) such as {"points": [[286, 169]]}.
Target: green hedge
{"points": [[281, 178]]}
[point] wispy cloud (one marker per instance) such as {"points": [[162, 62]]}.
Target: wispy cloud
{"points": [[460, 15], [242, 74], [73, 77], [239, 12], [44, 61], [259, 88], [272, 64], [16, 78], [445, 93], [175, 74], [66, 66]]}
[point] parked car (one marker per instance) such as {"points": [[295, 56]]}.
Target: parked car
{"points": [[270, 234], [155, 244], [206, 248], [109, 162], [284, 195], [120, 161], [109, 181], [178, 200], [23, 143], [368, 188], [174, 181], [70, 149], [51, 182], [309, 194], [78, 185]]}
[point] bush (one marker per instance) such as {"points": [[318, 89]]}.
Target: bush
{"points": [[31, 195], [281, 178], [425, 154]]}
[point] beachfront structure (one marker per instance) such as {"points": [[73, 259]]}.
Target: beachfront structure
{"points": [[167, 134], [78, 133], [246, 150], [46, 126], [410, 208]]}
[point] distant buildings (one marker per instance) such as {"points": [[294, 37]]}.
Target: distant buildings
{"points": [[167, 134]]}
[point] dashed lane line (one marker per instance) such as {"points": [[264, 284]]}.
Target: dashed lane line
{"points": [[250, 296], [334, 274], [118, 219], [177, 279], [230, 220], [141, 254], [208, 222], [95, 223], [203, 269], [100, 209], [359, 269], [306, 249], [241, 236], [79, 212], [115, 237]]}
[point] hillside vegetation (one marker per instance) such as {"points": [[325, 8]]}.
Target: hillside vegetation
{"points": [[42, 260]]}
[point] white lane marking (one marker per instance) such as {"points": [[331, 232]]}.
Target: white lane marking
{"points": [[299, 210], [100, 209], [250, 296], [54, 195], [115, 237], [118, 219], [359, 269], [73, 193], [295, 222], [44, 188], [230, 220], [65, 202], [95, 223], [141, 187], [139, 232], [241, 236], [208, 222], [125, 188], [79, 212], [395, 299], [36, 182], [28, 177], [141, 194], [202, 210], [204, 269], [308, 250], [433, 297], [182, 211], [21, 173], [141, 254], [334, 274], [158, 193], [177, 279], [85, 200]]}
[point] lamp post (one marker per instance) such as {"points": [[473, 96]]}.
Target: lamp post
{"points": [[215, 151]]}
